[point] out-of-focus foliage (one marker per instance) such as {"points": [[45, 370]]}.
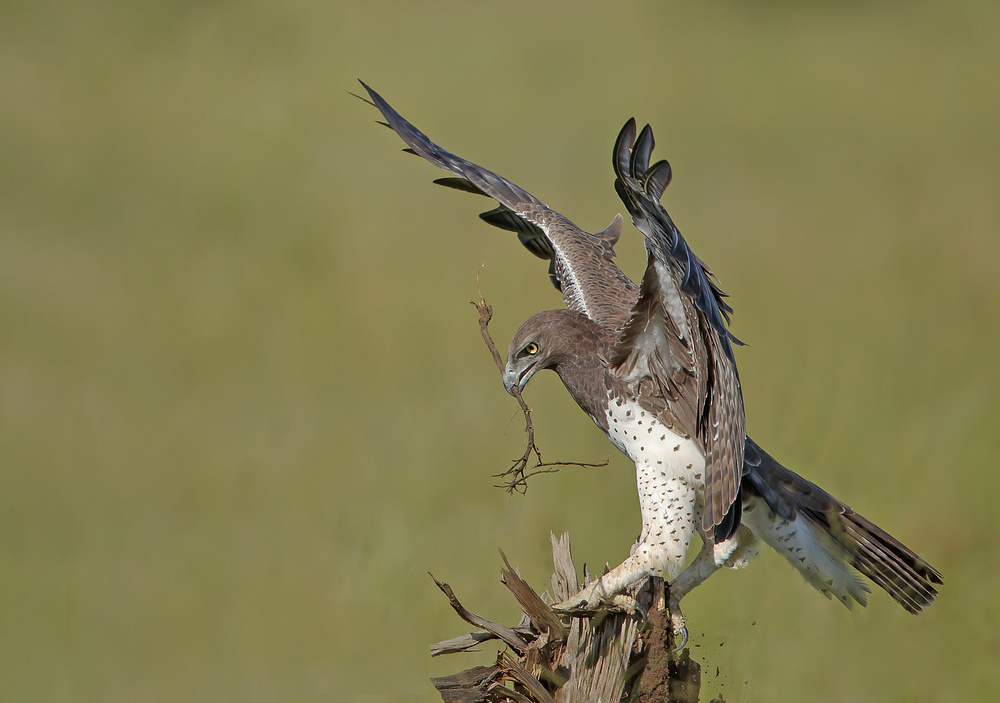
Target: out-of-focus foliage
{"points": [[244, 405]]}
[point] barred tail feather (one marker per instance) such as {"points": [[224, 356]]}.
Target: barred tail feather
{"points": [[820, 560], [831, 536], [888, 562]]}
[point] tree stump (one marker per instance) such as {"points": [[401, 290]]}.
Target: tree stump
{"points": [[606, 656]]}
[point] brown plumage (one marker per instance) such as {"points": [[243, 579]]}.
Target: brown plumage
{"points": [[654, 367]]}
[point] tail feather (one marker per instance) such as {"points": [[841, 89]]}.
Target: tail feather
{"points": [[885, 560], [888, 562]]}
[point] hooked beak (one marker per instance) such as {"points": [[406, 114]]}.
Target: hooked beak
{"points": [[511, 378]]}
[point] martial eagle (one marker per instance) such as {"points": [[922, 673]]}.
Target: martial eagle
{"points": [[653, 367]]}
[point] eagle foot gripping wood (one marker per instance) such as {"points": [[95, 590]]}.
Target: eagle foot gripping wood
{"points": [[608, 657]]}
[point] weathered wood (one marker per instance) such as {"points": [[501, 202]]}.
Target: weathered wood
{"points": [[511, 638], [540, 614], [526, 679], [467, 686], [464, 643], [608, 657], [564, 583]]}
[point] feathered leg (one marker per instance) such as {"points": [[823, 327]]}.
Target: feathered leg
{"points": [[735, 553]]}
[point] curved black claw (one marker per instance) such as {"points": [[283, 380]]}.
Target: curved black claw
{"points": [[679, 628]]}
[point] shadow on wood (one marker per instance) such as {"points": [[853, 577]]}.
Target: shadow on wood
{"points": [[604, 656]]}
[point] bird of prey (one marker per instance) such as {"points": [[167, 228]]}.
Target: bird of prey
{"points": [[653, 367]]}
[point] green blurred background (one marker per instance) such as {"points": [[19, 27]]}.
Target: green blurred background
{"points": [[244, 404]]}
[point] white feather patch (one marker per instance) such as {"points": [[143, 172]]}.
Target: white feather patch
{"points": [[670, 477], [820, 560]]}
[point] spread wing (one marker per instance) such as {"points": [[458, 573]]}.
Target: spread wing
{"points": [[581, 264], [676, 339]]}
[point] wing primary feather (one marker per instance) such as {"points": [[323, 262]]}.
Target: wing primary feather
{"points": [[622, 146], [581, 264], [730, 523], [461, 184], [641, 152], [538, 246], [497, 186], [361, 97], [505, 219], [657, 179], [552, 275], [530, 235], [640, 188]]}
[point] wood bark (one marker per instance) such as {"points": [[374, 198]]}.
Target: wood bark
{"points": [[604, 656]]}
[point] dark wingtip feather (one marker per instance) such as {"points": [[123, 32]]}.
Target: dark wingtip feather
{"points": [[641, 151], [658, 178], [640, 188], [517, 206], [730, 522], [361, 97], [503, 218], [623, 145], [552, 275], [461, 184], [539, 247]]}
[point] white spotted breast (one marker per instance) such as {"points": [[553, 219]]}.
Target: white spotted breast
{"points": [[637, 433], [670, 480]]}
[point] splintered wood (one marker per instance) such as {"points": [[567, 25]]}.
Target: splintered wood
{"points": [[516, 477], [609, 657]]}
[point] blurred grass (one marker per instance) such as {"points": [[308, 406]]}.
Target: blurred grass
{"points": [[244, 406]]}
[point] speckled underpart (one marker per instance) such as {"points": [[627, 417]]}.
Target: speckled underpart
{"points": [[820, 561], [670, 477]]}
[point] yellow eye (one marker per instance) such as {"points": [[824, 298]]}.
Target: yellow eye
{"points": [[531, 348]]}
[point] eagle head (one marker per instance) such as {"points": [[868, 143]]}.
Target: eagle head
{"points": [[548, 340]]}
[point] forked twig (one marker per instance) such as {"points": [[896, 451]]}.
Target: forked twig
{"points": [[516, 477], [513, 640]]}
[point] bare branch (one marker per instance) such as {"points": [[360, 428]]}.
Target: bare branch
{"points": [[512, 639], [516, 477]]}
